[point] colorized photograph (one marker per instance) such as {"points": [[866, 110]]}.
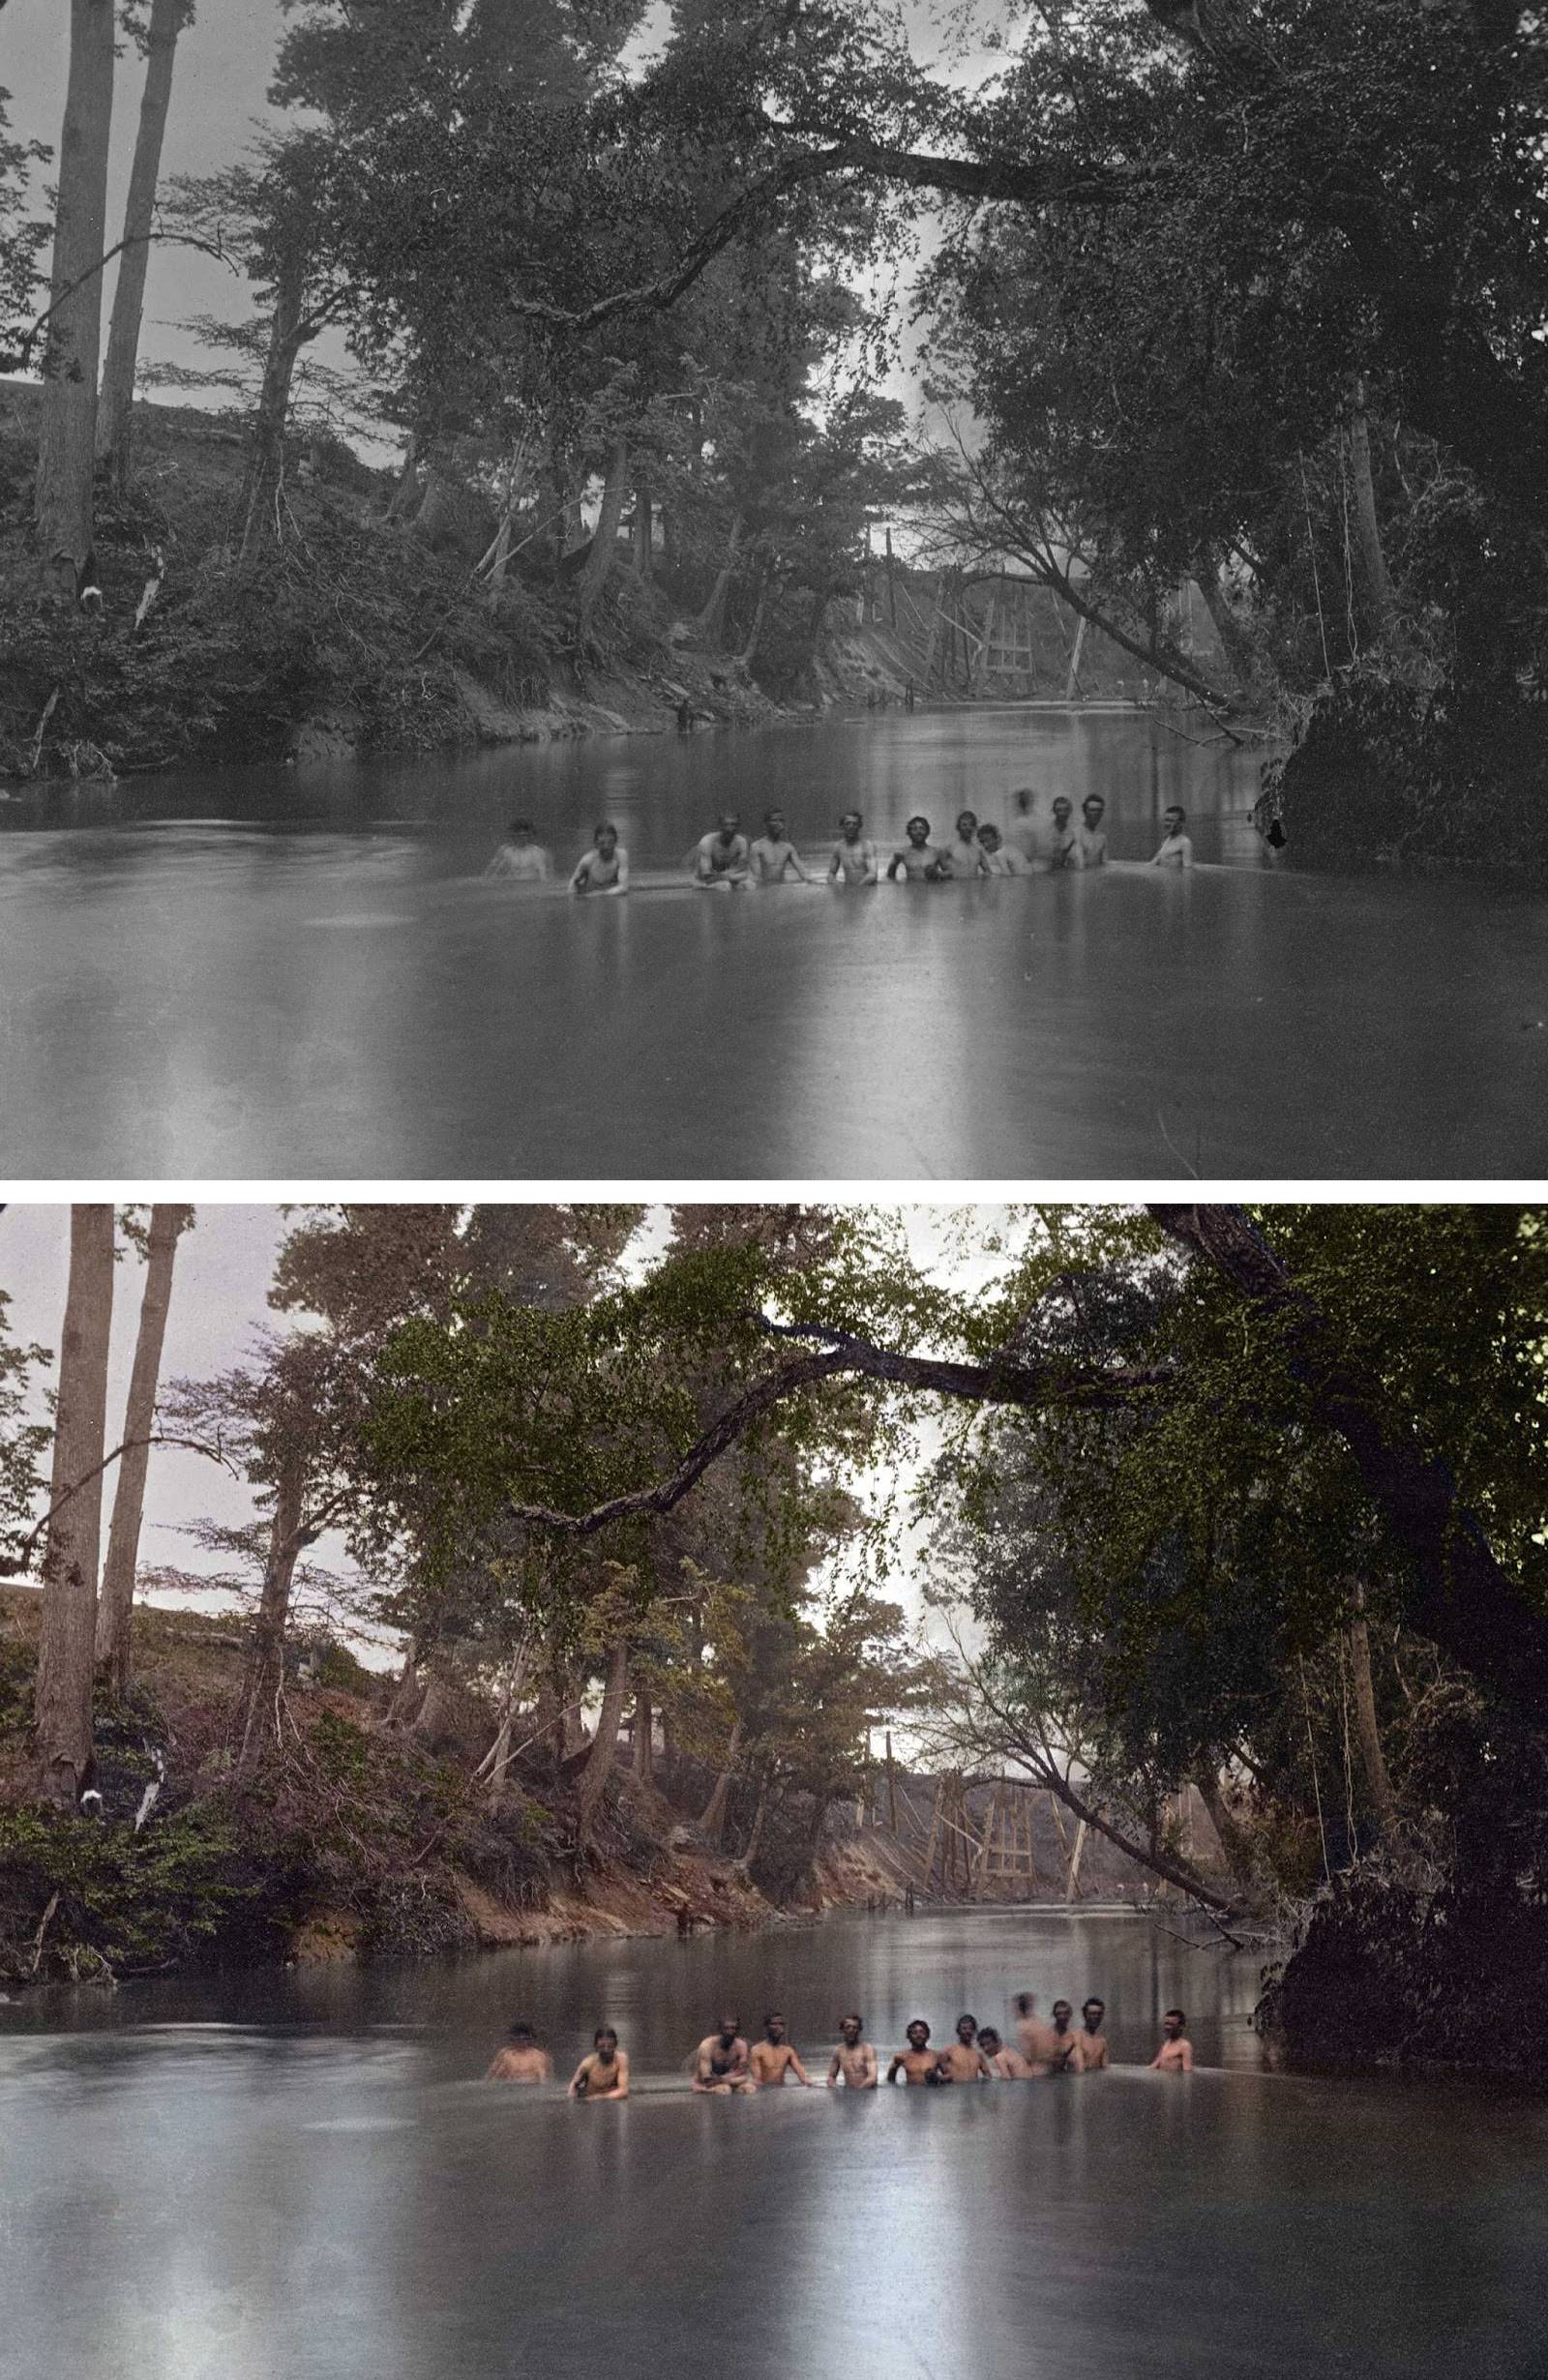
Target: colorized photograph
{"points": [[1047, 1701]]}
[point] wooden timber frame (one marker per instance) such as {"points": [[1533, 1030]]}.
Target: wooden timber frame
{"points": [[962, 1852]]}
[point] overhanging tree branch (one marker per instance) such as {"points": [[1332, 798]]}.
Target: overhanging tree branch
{"points": [[1462, 1600]]}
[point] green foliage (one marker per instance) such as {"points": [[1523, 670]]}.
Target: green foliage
{"points": [[134, 1902]]}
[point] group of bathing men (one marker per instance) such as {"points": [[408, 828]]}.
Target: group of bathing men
{"points": [[725, 2062], [725, 858]]}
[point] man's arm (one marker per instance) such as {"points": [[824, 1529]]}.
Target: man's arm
{"points": [[835, 2068], [1185, 851], [793, 860], [577, 2080], [1186, 2048], [870, 2068], [799, 2071], [621, 2090], [893, 2068], [580, 871], [985, 2071], [622, 886]]}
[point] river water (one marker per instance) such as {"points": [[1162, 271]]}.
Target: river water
{"points": [[300, 2177], [282, 973]]}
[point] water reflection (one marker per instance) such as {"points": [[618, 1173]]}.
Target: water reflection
{"points": [[322, 2190], [317, 996]]}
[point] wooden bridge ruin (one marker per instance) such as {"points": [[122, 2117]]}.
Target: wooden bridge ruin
{"points": [[974, 1839]]}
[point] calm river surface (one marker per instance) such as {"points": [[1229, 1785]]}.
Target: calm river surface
{"points": [[290, 973], [299, 2177]]}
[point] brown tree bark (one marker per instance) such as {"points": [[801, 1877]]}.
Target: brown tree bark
{"points": [[644, 1748], [1234, 1842], [67, 437], [265, 1669], [116, 402], [603, 1750], [115, 1603], [264, 477], [62, 1707], [598, 566], [713, 1822], [750, 1849], [1373, 1759]]}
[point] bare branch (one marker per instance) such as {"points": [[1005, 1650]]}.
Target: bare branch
{"points": [[193, 1446]]}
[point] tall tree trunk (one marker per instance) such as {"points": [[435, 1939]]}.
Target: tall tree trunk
{"points": [[645, 1749], [63, 1700], [711, 621], [598, 561], [265, 472], [713, 1822], [266, 1670], [1241, 659], [115, 405], [1367, 524], [434, 512], [644, 543], [407, 480], [603, 1752], [1072, 1870], [1373, 1759], [1241, 1859], [116, 1601], [751, 1848], [67, 437], [755, 633]]}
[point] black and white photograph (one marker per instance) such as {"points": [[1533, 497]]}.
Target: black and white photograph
{"points": [[773, 1189], [557, 560]]}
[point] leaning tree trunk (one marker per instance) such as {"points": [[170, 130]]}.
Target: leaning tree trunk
{"points": [[67, 437], [711, 621], [1373, 1759], [599, 1768], [599, 560], [1367, 524], [754, 635], [713, 1823], [62, 1720], [116, 404], [644, 540], [1236, 1845], [645, 1749], [265, 472], [1236, 646], [266, 1670], [750, 1849], [116, 1603]]}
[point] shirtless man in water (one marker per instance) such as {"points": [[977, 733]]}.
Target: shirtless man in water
{"points": [[520, 2060], [605, 2075], [774, 2056], [965, 858], [962, 2060], [918, 2063], [1176, 843], [918, 861], [1092, 2040], [854, 856], [1066, 2051], [1005, 2065], [1035, 2037], [774, 852], [720, 858], [1000, 858], [521, 856], [1176, 2053], [1091, 835], [853, 2061], [603, 870], [722, 2062]]}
